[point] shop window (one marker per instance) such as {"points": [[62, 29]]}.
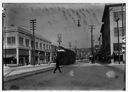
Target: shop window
{"points": [[11, 40]]}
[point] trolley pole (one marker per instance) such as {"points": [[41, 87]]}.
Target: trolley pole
{"points": [[92, 51], [33, 25]]}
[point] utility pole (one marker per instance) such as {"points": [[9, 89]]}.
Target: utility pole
{"points": [[92, 27], [33, 25], [76, 47], [59, 39]]}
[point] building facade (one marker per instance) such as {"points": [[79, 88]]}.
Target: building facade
{"points": [[18, 47], [110, 29]]}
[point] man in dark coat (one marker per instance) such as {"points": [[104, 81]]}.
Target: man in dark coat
{"points": [[58, 59]]}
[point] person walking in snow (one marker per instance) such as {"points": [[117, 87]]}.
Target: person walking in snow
{"points": [[58, 59]]}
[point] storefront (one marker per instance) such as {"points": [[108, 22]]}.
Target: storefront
{"points": [[41, 57], [116, 56], [47, 57], [9, 56], [23, 57]]}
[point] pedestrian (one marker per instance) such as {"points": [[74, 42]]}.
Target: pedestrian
{"points": [[57, 60]]}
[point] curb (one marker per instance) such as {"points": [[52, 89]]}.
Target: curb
{"points": [[17, 76], [116, 68]]}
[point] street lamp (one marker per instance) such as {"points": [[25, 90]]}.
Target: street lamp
{"points": [[117, 20]]}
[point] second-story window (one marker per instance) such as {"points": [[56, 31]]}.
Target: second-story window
{"points": [[44, 46], [32, 44], [27, 42], [40, 45], [11, 40], [116, 31], [37, 45], [49, 47], [21, 41], [119, 15]]}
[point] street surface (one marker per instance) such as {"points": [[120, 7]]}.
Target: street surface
{"points": [[81, 76]]}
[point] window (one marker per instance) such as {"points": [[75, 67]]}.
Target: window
{"points": [[32, 44], [27, 42], [115, 46], [40, 45], [119, 15], [21, 40], [11, 40], [49, 47], [37, 45], [44, 46], [121, 33]]}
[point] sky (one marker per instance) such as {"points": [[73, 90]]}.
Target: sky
{"points": [[59, 18]]}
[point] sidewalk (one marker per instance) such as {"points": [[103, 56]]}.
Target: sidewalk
{"points": [[11, 73], [120, 66]]}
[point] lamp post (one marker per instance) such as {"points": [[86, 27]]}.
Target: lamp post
{"points": [[117, 20]]}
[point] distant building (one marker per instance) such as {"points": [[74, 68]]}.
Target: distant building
{"points": [[18, 44], [109, 28]]}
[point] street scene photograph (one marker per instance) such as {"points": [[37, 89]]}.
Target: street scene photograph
{"points": [[64, 46]]}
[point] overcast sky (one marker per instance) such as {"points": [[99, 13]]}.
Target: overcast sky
{"points": [[59, 18]]}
